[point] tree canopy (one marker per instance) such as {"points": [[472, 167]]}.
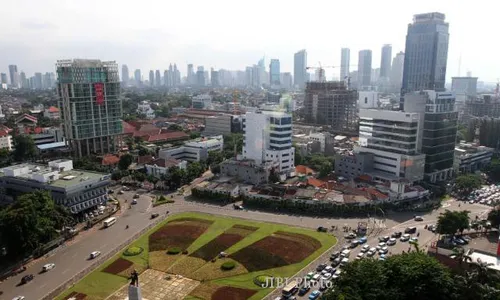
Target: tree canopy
{"points": [[408, 276], [494, 217], [125, 161], [24, 148], [450, 222], [320, 163], [29, 222], [466, 183]]}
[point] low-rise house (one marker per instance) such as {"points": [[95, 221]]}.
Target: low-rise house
{"points": [[470, 158], [160, 166]]}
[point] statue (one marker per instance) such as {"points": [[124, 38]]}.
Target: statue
{"points": [[134, 277]]}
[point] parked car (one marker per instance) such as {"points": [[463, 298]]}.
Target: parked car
{"points": [[314, 295], [354, 244], [322, 229], [397, 234], [320, 267], [383, 250], [413, 240], [371, 252], [360, 255], [134, 201], [237, 206], [18, 298], [137, 196], [95, 254], [120, 192], [350, 235], [363, 240], [310, 275], [418, 218], [391, 242], [336, 262], [48, 267], [27, 278], [334, 255], [411, 230], [304, 290], [154, 215], [383, 238], [365, 248], [405, 237]]}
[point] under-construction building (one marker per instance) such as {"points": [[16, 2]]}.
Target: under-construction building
{"points": [[90, 103], [483, 106], [333, 104]]}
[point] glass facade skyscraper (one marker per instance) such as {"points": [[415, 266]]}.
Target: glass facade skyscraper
{"points": [[426, 53], [300, 69], [274, 72]]}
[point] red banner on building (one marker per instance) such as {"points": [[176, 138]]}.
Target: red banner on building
{"points": [[99, 93]]}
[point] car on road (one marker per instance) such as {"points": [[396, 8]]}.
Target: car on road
{"points": [[134, 201], [418, 218], [155, 215], [405, 237], [391, 241], [344, 261], [363, 240], [314, 295], [354, 244], [326, 276], [19, 298], [310, 275], [320, 267], [397, 234], [381, 257], [413, 240], [237, 206], [411, 230], [95, 254], [304, 290], [120, 192], [48, 267], [27, 278], [365, 248], [316, 277], [350, 235], [432, 228], [328, 269], [360, 255], [334, 255], [322, 229], [336, 262], [137, 196], [381, 245]]}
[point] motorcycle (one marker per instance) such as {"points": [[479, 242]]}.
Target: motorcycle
{"points": [[126, 227]]}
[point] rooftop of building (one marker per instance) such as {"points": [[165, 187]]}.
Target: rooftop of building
{"points": [[66, 178], [466, 149]]}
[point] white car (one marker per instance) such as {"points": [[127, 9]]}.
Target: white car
{"points": [[326, 276], [371, 253], [360, 255], [95, 254], [365, 248], [381, 245], [418, 218], [405, 238], [391, 242], [48, 267], [384, 250], [18, 298], [328, 269]]}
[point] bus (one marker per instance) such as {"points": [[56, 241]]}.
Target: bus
{"points": [[110, 221], [290, 289]]}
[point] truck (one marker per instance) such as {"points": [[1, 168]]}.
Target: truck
{"points": [[290, 289]]}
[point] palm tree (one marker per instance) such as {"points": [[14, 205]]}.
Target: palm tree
{"points": [[484, 273], [460, 255]]}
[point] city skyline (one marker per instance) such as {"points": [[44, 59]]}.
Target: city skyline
{"points": [[152, 42]]}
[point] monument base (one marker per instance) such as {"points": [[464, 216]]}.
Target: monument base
{"points": [[134, 293]]}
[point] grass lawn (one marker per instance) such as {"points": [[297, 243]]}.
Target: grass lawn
{"points": [[99, 285]]}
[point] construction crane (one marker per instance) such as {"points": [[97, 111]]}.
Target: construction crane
{"points": [[321, 70]]}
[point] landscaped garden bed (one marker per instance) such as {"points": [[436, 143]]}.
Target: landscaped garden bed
{"points": [[179, 233], [233, 293]]}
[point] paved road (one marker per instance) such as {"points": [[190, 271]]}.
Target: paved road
{"points": [[72, 259]]}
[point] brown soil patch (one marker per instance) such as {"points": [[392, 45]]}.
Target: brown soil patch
{"points": [[126, 273], [205, 291], [233, 293], [277, 250], [186, 265], [222, 242], [160, 261], [118, 266], [178, 233], [77, 296]]}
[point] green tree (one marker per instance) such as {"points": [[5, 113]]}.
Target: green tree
{"points": [[273, 176], [29, 222], [125, 161], [450, 222], [460, 255], [297, 158], [230, 141], [194, 170], [175, 127], [408, 276], [494, 217], [24, 148], [466, 183], [194, 135]]}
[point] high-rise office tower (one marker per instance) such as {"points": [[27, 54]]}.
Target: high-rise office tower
{"points": [[200, 76], [256, 75], [364, 68], [385, 61], [23, 80], [262, 70], [274, 72], [268, 137], [165, 78], [397, 70], [345, 61], [249, 76], [3, 78], [14, 76], [177, 76], [437, 131], [286, 80], [38, 81], [125, 75], [214, 78], [191, 77], [157, 78], [137, 76], [90, 103], [151, 78], [426, 53], [46, 84], [300, 69]]}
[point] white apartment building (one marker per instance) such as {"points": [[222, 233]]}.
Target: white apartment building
{"points": [[145, 108], [202, 102], [368, 99], [268, 137], [393, 138], [194, 150], [5, 140]]}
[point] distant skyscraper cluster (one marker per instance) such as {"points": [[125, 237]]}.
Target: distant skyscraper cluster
{"points": [[18, 80]]}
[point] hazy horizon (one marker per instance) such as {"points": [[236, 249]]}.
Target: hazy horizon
{"points": [[149, 35]]}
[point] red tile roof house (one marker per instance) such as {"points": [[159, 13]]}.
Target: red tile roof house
{"points": [[152, 134]]}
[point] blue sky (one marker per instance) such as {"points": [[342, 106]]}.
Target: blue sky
{"points": [[233, 34]]}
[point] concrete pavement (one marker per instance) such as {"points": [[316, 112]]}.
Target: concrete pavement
{"points": [[72, 259]]}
